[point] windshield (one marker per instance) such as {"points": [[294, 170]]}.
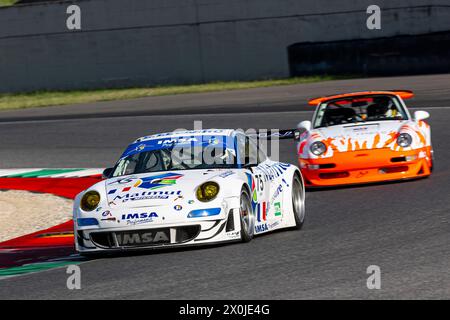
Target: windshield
{"points": [[207, 154], [359, 109]]}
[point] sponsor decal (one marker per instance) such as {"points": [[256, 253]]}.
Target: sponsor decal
{"points": [[153, 182], [139, 218], [233, 234], [274, 225], [262, 211], [191, 201], [109, 219], [276, 194], [147, 195], [226, 174], [179, 197], [142, 238], [261, 228], [272, 171], [277, 206], [178, 207], [360, 129], [123, 181], [178, 140], [158, 181], [106, 214]]}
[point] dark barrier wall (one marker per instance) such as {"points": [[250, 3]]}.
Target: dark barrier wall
{"points": [[400, 55], [140, 43]]}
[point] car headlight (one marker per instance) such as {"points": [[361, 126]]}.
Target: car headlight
{"points": [[90, 201], [318, 148], [404, 140], [207, 191]]}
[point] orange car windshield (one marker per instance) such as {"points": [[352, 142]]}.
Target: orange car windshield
{"points": [[359, 109]]}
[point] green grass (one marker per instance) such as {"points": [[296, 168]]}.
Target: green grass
{"points": [[54, 98], [5, 3]]}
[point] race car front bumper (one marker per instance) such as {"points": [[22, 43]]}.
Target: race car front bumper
{"points": [[158, 236], [366, 166]]}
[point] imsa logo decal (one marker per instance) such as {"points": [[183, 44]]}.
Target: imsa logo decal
{"points": [[143, 215], [261, 228], [139, 218], [142, 238]]}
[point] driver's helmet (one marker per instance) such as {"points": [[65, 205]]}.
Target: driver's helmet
{"points": [[380, 107], [382, 101]]}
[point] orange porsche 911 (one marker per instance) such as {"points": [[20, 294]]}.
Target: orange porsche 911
{"points": [[364, 137]]}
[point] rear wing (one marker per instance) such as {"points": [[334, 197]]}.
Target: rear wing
{"points": [[404, 94]]}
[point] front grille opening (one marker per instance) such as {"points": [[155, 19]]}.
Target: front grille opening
{"points": [[80, 237], [398, 159], [327, 166], [334, 175], [103, 239], [230, 222], [397, 169], [185, 234], [421, 171]]}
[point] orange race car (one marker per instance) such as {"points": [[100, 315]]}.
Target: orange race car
{"points": [[364, 137]]}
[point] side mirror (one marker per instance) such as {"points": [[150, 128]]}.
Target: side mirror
{"points": [[107, 173], [304, 125], [421, 115]]}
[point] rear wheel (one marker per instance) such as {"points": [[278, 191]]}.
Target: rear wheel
{"points": [[298, 202], [246, 216]]}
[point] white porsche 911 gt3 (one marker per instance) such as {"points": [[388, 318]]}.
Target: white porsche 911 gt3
{"points": [[188, 188]]}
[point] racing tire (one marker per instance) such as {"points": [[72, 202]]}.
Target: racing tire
{"points": [[298, 202], [246, 216]]}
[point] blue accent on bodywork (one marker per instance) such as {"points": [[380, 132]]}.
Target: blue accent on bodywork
{"points": [[84, 222], [201, 213]]}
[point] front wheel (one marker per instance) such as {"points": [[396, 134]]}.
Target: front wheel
{"points": [[246, 216], [298, 202]]}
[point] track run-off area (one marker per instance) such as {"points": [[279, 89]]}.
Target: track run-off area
{"points": [[401, 227]]}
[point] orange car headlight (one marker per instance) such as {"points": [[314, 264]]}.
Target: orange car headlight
{"points": [[404, 140], [318, 148]]}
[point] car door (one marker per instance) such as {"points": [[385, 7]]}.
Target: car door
{"points": [[263, 176]]}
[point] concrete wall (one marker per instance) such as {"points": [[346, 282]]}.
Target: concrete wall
{"points": [[136, 42]]}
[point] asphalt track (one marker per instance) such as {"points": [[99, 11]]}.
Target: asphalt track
{"points": [[401, 227]]}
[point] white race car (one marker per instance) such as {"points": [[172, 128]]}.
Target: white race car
{"points": [[188, 188]]}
